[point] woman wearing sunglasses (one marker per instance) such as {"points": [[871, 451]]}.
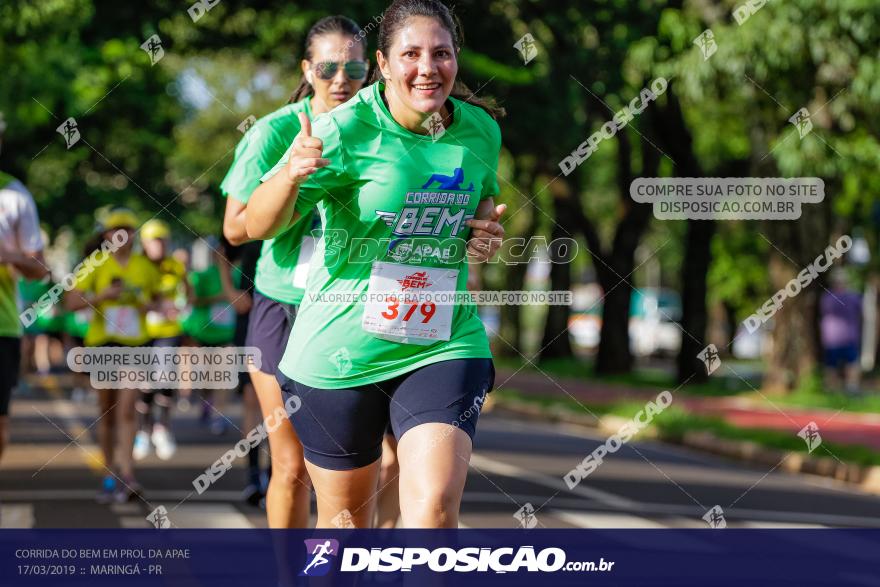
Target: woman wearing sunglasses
{"points": [[334, 69], [410, 163]]}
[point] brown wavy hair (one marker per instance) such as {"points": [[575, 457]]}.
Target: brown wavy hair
{"points": [[394, 18]]}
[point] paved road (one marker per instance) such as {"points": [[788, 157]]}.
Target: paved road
{"points": [[48, 481]]}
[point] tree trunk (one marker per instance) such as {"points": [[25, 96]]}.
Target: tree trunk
{"points": [[615, 272], [511, 330], [694, 316], [556, 342], [793, 350]]}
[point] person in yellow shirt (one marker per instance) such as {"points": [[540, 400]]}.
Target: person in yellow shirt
{"points": [[165, 330], [120, 290]]}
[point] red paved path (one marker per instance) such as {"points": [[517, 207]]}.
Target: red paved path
{"points": [[834, 426]]}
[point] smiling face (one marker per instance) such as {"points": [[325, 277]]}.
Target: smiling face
{"points": [[332, 92], [419, 71]]}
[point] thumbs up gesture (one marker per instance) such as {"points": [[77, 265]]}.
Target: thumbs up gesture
{"points": [[486, 235], [305, 158]]}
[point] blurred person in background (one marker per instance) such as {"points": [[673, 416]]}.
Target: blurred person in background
{"points": [[242, 260], [21, 253], [164, 328], [841, 333], [76, 325], [41, 346], [121, 291]]}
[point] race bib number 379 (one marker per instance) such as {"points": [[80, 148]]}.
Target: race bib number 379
{"points": [[400, 307]]}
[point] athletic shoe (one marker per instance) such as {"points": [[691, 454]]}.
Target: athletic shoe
{"points": [[183, 404], [107, 490], [142, 447], [218, 425], [79, 395], [164, 442], [128, 490], [207, 412], [252, 495]]}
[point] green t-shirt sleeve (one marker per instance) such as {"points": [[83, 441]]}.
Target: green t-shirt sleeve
{"points": [[334, 176], [490, 186], [256, 152]]}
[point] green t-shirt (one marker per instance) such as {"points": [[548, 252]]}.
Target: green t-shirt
{"points": [[283, 264], [77, 323], [412, 194], [50, 319], [212, 323]]}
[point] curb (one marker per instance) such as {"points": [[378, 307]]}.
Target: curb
{"points": [[866, 478]]}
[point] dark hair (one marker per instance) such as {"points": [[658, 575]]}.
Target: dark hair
{"points": [[338, 24], [396, 15]]}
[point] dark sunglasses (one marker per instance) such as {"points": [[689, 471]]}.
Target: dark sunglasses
{"points": [[354, 70]]}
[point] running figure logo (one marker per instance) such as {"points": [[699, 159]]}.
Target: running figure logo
{"points": [[810, 434], [706, 43], [527, 48], [159, 518], [526, 516], [715, 518], [69, 131], [341, 359], [153, 47], [246, 124], [317, 562], [801, 121], [710, 358], [434, 125]]}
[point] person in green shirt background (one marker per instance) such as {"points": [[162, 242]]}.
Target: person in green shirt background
{"points": [[334, 69], [41, 345], [211, 319], [410, 163]]}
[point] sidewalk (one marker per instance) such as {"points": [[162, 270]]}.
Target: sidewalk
{"points": [[839, 427]]}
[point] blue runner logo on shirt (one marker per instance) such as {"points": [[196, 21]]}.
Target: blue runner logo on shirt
{"points": [[317, 563], [449, 182], [430, 212]]}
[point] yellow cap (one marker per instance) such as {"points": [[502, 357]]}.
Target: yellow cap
{"points": [[154, 229], [119, 218]]}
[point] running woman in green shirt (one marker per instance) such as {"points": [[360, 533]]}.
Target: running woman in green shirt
{"points": [[399, 175], [334, 69]]}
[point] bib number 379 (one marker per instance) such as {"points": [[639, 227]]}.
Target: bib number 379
{"points": [[399, 305]]}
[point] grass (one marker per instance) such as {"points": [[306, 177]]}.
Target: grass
{"points": [[651, 378], [674, 422], [811, 394]]}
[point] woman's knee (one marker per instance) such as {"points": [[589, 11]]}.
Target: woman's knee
{"points": [[289, 467], [389, 468], [431, 506]]}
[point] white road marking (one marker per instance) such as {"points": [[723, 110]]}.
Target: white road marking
{"points": [[207, 515], [17, 515], [556, 483]]}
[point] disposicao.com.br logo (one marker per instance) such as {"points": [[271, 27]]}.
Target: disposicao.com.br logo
{"points": [[441, 560], [317, 561]]}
